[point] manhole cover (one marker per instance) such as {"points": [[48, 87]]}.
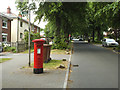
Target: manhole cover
{"points": [[75, 65]]}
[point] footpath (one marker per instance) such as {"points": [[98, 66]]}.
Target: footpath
{"points": [[15, 77]]}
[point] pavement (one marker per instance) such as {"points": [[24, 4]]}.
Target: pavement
{"points": [[13, 76], [93, 67]]}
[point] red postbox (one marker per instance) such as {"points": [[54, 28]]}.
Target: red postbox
{"points": [[38, 56]]}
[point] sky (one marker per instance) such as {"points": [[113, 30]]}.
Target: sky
{"points": [[5, 3]]}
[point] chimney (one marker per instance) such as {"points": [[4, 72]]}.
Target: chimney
{"points": [[27, 19], [20, 15], [8, 10]]}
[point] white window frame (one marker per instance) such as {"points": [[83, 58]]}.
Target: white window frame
{"points": [[21, 24], [4, 34], [21, 36], [4, 22], [33, 28], [37, 30]]}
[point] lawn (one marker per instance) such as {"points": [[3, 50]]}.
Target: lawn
{"points": [[4, 59], [53, 64]]}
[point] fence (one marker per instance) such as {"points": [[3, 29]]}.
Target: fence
{"points": [[22, 46]]}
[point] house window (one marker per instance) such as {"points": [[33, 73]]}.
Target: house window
{"points": [[37, 30], [4, 24], [21, 35], [4, 37], [21, 24], [33, 28], [25, 30]]}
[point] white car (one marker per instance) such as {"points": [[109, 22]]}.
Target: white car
{"points": [[109, 42], [75, 39], [81, 39]]}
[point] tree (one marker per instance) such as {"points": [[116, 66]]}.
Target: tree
{"points": [[32, 35], [111, 13], [61, 18]]}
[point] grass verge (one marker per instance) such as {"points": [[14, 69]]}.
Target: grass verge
{"points": [[53, 64], [4, 59]]}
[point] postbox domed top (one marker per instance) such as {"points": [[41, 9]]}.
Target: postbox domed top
{"points": [[38, 40]]}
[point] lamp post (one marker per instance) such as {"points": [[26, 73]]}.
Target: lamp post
{"points": [[17, 35], [30, 7], [29, 34]]}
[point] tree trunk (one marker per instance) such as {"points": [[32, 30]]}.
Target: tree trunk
{"points": [[98, 34], [93, 36], [57, 37], [57, 31], [115, 32]]}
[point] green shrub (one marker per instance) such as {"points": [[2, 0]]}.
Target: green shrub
{"points": [[118, 47], [13, 49], [61, 45], [9, 49], [97, 42], [6, 49]]}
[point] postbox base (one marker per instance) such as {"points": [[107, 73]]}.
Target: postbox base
{"points": [[38, 70]]}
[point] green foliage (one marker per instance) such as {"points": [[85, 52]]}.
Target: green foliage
{"points": [[9, 49], [88, 19], [12, 49], [32, 36], [61, 45]]}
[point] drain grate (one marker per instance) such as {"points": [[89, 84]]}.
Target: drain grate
{"points": [[75, 65]]}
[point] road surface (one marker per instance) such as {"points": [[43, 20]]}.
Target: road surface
{"points": [[93, 67]]}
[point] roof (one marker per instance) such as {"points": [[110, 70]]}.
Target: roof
{"points": [[5, 16], [14, 16], [11, 15]]}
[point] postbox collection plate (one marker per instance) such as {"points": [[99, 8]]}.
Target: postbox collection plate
{"points": [[38, 51]]}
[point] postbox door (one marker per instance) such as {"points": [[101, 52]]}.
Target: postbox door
{"points": [[40, 55]]}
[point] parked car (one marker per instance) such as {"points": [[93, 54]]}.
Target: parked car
{"points": [[109, 42], [81, 39], [75, 39]]}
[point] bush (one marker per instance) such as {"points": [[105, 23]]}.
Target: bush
{"points": [[118, 47], [61, 45], [98, 42], [6, 49], [12, 49], [9, 49]]}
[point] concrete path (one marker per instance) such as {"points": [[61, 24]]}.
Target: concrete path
{"points": [[15, 77], [98, 67]]}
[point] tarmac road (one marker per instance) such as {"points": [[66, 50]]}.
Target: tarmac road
{"points": [[97, 67]]}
